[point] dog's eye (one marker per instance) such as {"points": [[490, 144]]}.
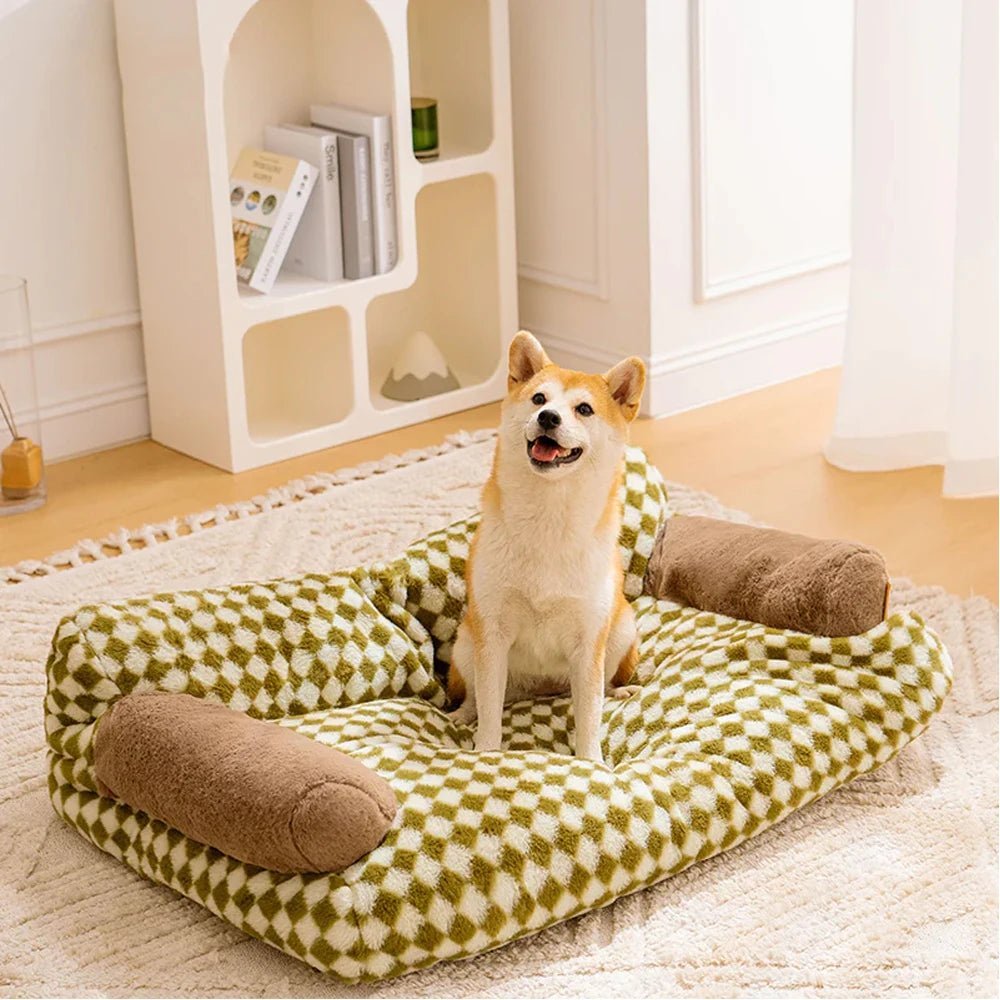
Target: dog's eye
{"points": [[538, 398], [585, 410]]}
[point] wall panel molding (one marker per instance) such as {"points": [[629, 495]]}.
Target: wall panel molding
{"points": [[68, 331], [579, 355], [709, 283], [54, 332], [87, 402], [706, 291], [683, 380], [594, 284]]}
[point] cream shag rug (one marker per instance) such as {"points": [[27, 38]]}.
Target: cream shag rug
{"points": [[887, 886]]}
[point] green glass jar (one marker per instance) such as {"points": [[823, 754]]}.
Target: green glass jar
{"points": [[424, 122]]}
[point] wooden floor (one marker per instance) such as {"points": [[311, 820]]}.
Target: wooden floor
{"points": [[761, 452]]}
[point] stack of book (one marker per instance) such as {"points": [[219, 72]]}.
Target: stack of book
{"points": [[319, 200]]}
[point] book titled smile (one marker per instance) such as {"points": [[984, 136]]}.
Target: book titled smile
{"points": [[267, 194]]}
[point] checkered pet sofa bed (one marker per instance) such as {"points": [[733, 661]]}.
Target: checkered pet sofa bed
{"points": [[736, 725]]}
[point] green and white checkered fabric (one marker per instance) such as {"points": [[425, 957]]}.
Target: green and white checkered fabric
{"points": [[735, 726]]}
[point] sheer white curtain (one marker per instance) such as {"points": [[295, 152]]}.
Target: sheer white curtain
{"points": [[920, 368]]}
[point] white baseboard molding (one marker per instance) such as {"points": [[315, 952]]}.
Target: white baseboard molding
{"points": [[689, 379], [91, 383], [94, 421], [696, 377]]}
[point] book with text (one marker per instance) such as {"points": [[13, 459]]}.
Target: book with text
{"points": [[356, 206], [317, 247], [267, 195]]}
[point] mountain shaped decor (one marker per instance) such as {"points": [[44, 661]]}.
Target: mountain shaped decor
{"points": [[420, 370]]}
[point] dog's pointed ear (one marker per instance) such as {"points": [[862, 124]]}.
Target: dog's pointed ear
{"points": [[626, 381], [525, 359]]}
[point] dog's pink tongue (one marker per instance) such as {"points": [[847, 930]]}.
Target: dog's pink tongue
{"points": [[541, 451]]}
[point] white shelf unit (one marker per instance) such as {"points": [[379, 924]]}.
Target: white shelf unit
{"points": [[240, 379]]}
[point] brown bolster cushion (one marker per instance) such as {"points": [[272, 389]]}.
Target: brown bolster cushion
{"points": [[259, 792], [831, 587]]}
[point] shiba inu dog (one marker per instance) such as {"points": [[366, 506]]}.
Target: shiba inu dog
{"points": [[544, 578]]}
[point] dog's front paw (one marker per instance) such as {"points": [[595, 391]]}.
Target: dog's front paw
{"points": [[464, 715], [623, 692], [590, 750], [486, 741]]}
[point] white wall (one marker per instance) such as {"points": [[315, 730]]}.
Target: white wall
{"points": [[719, 240], [66, 221], [580, 176]]}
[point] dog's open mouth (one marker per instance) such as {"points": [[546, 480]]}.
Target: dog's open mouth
{"points": [[545, 452]]}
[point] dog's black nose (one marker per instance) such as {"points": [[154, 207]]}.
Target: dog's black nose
{"points": [[548, 419]]}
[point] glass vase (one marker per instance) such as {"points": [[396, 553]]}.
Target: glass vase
{"points": [[22, 470]]}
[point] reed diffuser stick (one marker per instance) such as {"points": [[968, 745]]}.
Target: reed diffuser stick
{"points": [[8, 413]]}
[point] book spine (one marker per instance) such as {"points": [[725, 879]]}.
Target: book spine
{"points": [[383, 195], [280, 239], [330, 174], [355, 206]]}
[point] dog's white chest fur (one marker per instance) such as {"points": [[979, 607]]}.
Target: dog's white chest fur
{"points": [[544, 574]]}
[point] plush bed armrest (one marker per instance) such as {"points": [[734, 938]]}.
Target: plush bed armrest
{"points": [[822, 587], [254, 790]]}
